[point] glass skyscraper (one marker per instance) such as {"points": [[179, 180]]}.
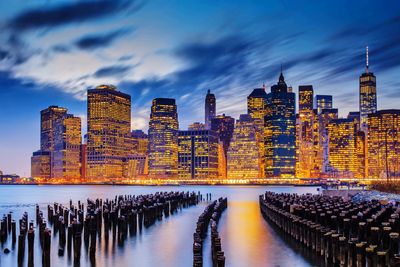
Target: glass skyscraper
{"points": [[368, 103], [243, 153], [198, 154], [323, 102], [109, 126], [210, 108], [280, 132], [163, 139]]}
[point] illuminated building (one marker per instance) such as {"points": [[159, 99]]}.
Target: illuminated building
{"points": [[342, 154], [280, 132], [305, 133], [163, 139], [198, 154], [48, 117], [256, 108], [109, 126], [210, 108], [323, 102], [197, 126], [139, 142], [224, 126], [9, 178], [368, 101], [355, 115], [243, 153], [135, 166], [83, 161], [40, 165], [383, 144], [324, 118], [221, 161], [66, 157]]}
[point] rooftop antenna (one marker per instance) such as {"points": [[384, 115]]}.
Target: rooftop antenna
{"points": [[367, 60], [264, 85]]}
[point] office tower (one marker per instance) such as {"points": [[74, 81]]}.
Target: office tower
{"points": [[224, 126], [221, 161], [210, 108], [243, 152], [48, 117], [342, 156], [197, 126], [256, 108], [383, 145], [280, 132], [135, 166], [323, 102], [355, 115], [40, 165], [198, 154], [305, 133], [139, 142], [66, 157], [83, 161], [109, 126], [163, 139], [322, 153], [368, 100]]}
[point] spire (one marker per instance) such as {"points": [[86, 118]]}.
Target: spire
{"points": [[367, 60], [208, 91], [263, 85], [281, 78]]}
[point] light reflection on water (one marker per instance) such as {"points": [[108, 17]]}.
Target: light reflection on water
{"points": [[247, 239]]}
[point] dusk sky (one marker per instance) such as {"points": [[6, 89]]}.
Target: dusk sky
{"points": [[51, 52]]}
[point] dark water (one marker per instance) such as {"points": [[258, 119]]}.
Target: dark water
{"points": [[247, 239]]}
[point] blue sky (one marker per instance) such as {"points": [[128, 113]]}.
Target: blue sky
{"points": [[51, 52]]}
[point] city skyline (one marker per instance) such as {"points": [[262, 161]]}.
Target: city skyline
{"points": [[221, 62]]}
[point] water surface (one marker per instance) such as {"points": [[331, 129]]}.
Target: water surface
{"points": [[247, 239]]}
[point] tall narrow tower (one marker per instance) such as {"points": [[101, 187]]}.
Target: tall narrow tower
{"points": [[368, 103], [210, 107]]}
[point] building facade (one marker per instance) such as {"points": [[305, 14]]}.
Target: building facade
{"points": [[210, 109], [224, 126], [163, 139], [109, 126], [41, 165], [198, 154], [323, 102], [243, 153], [384, 144], [48, 118], [66, 157], [342, 154], [305, 133], [256, 108], [280, 132]]}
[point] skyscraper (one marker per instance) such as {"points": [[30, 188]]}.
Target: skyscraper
{"points": [[342, 154], [48, 117], [210, 108], [40, 165], [198, 154], [243, 152], [224, 126], [305, 133], [109, 126], [368, 103], [280, 131], [384, 144], [323, 102], [66, 157], [256, 108], [163, 139]]}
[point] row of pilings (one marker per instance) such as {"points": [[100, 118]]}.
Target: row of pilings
{"points": [[341, 232], [210, 216], [117, 218]]}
